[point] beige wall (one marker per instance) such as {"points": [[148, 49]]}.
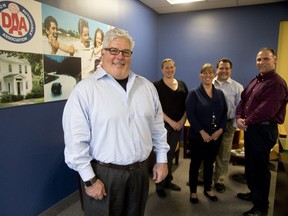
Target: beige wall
{"points": [[282, 62]]}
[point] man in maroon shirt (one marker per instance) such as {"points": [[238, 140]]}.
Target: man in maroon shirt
{"points": [[262, 107]]}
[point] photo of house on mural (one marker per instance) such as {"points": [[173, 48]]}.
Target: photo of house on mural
{"points": [[21, 78]]}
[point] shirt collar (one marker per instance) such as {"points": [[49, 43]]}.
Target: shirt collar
{"points": [[266, 76], [102, 73], [229, 80]]}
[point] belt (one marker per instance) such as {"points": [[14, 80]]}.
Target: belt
{"points": [[116, 166], [267, 123]]}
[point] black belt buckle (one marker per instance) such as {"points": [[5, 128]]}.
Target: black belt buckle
{"points": [[133, 166], [267, 123], [136, 165]]}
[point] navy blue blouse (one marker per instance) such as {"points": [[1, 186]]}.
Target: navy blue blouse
{"points": [[202, 110]]}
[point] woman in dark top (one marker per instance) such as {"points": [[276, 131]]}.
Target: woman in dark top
{"points": [[206, 111], [172, 94]]}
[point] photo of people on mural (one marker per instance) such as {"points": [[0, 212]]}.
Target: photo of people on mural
{"points": [[70, 51], [73, 36]]}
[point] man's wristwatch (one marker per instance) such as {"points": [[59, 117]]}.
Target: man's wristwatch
{"points": [[90, 182]]}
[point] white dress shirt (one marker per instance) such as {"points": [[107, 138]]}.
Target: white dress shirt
{"points": [[102, 121], [232, 91]]}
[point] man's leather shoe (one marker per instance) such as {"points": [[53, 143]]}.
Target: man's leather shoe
{"points": [[212, 198], [219, 187], [194, 200], [255, 212], [245, 196], [161, 193], [173, 187]]}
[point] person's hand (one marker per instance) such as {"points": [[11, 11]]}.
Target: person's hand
{"points": [[97, 190], [71, 50], [180, 124], [97, 49], [53, 43], [160, 171], [217, 134], [205, 136], [241, 124], [177, 125]]}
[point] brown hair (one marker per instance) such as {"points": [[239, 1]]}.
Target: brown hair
{"points": [[81, 24], [167, 60], [207, 66], [224, 60], [95, 35]]}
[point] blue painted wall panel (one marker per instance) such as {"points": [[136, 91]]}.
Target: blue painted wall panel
{"points": [[195, 38]]}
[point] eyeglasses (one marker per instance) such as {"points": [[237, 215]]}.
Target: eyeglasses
{"points": [[115, 51]]}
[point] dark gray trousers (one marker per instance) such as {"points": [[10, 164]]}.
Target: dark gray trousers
{"points": [[127, 192]]}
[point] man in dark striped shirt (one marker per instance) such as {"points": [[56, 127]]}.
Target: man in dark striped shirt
{"points": [[262, 107]]}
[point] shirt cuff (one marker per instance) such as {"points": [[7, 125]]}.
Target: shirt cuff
{"points": [[87, 173], [161, 157]]}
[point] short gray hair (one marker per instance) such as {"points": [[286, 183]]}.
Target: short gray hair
{"points": [[117, 33]]}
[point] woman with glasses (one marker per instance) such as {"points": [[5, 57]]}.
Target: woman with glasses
{"points": [[206, 111]]}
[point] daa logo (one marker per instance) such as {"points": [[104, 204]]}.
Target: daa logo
{"points": [[16, 23]]}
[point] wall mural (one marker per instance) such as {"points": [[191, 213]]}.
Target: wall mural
{"points": [[44, 52]]}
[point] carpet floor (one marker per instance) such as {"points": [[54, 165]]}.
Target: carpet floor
{"points": [[178, 204]]}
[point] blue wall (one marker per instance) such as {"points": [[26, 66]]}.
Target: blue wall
{"points": [[195, 38], [33, 173]]}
